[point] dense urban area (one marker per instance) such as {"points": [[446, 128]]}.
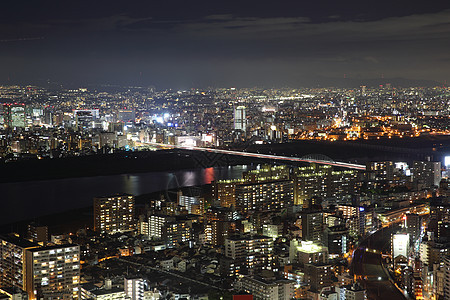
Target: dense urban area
{"points": [[291, 228], [59, 123]]}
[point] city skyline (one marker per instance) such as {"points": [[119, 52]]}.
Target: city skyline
{"points": [[197, 44], [237, 150]]}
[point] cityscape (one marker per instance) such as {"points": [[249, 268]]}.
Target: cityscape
{"points": [[146, 152]]}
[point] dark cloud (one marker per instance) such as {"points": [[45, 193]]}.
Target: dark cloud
{"points": [[229, 43]]}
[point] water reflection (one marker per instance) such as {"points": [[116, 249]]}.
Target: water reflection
{"points": [[208, 175], [132, 184], [189, 178], [36, 198]]}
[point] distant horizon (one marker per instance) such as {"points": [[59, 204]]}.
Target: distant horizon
{"points": [[182, 44], [347, 83]]}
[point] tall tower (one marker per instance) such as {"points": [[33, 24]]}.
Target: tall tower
{"points": [[240, 123]]}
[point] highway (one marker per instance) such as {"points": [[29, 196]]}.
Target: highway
{"points": [[367, 266], [262, 156]]}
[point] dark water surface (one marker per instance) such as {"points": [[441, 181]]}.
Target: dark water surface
{"points": [[30, 199]]}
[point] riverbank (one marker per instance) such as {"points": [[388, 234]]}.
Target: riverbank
{"points": [[83, 218], [406, 149], [94, 165]]}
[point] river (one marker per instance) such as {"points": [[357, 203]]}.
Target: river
{"points": [[31, 199]]}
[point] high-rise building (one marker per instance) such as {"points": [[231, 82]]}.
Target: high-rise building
{"points": [[336, 239], [216, 232], [85, 118], [323, 182], [271, 195], [142, 225], [12, 260], [311, 223], [156, 224], [446, 277], [266, 173], [400, 246], [440, 211], [134, 288], [177, 232], [363, 90], [253, 253], [240, 121], [53, 272], [126, 115], [14, 115], [417, 286], [318, 275], [381, 170], [355, 217], [426, 173], [272, 230], [221, 214], [413, 227], [114, 213], [438, 284], [194, 205], [224, 191], [443, 231]]}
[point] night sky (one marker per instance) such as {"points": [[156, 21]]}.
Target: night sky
{"points": [[183, 44]]}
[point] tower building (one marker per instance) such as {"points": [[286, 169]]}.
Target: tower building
{"points": [[240, 122]]}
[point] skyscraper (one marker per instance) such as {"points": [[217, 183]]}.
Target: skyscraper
{"points": [[240, 122]]}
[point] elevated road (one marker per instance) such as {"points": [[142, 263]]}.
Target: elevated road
{"points": [[262, 156]]}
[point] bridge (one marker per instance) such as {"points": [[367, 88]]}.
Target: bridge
{"points": [[308, 159]]}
